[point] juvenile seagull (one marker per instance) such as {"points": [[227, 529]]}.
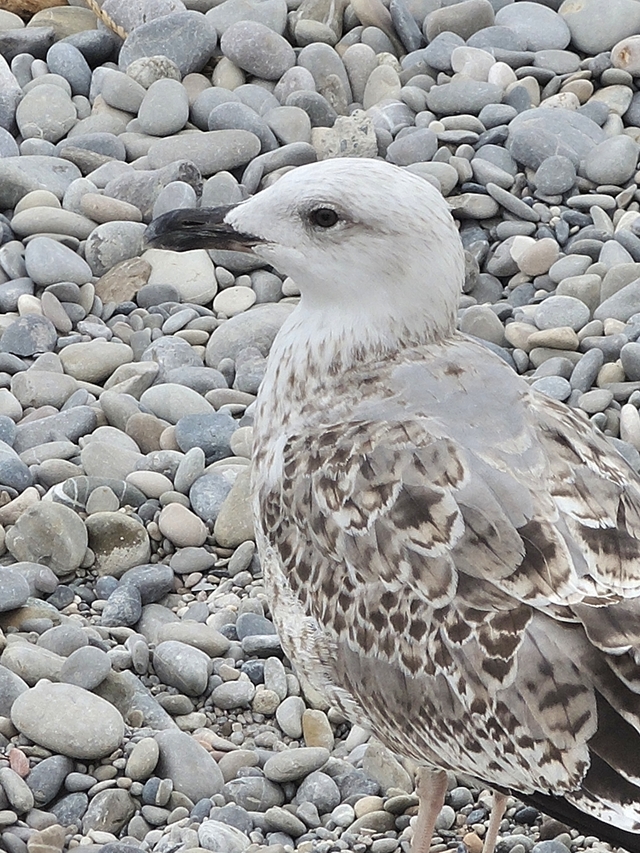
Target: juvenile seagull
{"points": [[450, 557]]}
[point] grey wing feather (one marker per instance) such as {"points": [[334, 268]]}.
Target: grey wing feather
{"points": [[479, 585]]}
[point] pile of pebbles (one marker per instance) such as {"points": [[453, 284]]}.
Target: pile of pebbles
{"points": [[145, 703]]}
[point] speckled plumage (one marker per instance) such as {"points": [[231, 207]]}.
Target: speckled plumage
{"points": [[452, 558]]}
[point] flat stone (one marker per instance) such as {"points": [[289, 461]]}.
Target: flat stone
{"points": [[211, 151], [234, 524], [540, 28], [29, 335], [186, 38], [233, 694], [463, 19], [181, 666], [293, 764], [191, 273], [597, 27], [215, 835], [200, 636], [537, 134], [118, 541], [189, 766], [50, 534], [46, 112], [11, 686], [47, 777], [94, 361], [68, 720]]}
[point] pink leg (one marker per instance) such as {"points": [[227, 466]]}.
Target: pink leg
{"points": [[497, 813], [431, 787]]}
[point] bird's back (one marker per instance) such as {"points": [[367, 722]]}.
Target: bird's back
{"points": [[455, 560]]}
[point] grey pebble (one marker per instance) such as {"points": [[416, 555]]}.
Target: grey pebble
{"points": [[257, 49], [555, 175], [46, 112], [86, 667], [123, 607], [48, 261], [553, 386], [65, 59], [182, 666], [212, 151], [14, 589], [561, 311], [47, 777], [186, 38], [541, 28], [190, 767], [254, 793], [164, 109]]}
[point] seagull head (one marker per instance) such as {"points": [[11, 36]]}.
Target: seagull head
{"points": [[361, 238]]}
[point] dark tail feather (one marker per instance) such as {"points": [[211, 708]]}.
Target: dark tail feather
{"points": [[560, 809]]}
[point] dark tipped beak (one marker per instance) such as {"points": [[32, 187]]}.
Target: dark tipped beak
{"points": [[185, 229]]}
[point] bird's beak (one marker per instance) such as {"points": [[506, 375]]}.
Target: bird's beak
{"points": [[183, 229]]}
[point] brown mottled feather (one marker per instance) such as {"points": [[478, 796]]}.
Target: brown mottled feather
{"points": [[464, 584]]}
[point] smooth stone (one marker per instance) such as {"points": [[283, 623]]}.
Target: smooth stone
{"points": [[47, 777], [86, 667], [612, 161], [14, 589], [541, 28], [596, 27], [46, 112], [170, 353], [200, 636], [182, 666], [123, 607], [271, 13], [185, 38], [561, 311], [207, 495], [192, 770], [68, 720], [181, 526], [118, 541], [291, 765], [419, 146], [621, 305], [113, 242], [50, 534], [537, 134], [212, 151], [69, 424], [233, 694], [164, 109], [48, 261], [254, 793], [257, 49], [153, 581], [234, 523], [24, 174], [171, 402], [142, 759], [462, 96], [463, 19], [109, 811], [215, 835], [555, 175], [260, 326], [94, 361], [191, 273], [321, 790]]}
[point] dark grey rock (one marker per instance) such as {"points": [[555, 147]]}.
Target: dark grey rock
{"points": [[46, 779], [207, 495], [67, 61], [29, 335], [11, 686], [210, 432], [123, 607], [555, 175]]}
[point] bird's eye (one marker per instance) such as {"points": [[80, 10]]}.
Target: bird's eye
{"points": [[324, 217]]}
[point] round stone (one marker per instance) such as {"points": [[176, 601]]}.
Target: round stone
{"points": [[257, 49], [46, 112], [182, 666], [86, 667], [68, 720], [561, 311], [181, 526], [191, 273], [540, 27], [612, 161], [14, 589], [189, 766], [51, 534], [118, 541], [94, 361], [556, 175], [234, 300], [164, 109], [293, 764]]}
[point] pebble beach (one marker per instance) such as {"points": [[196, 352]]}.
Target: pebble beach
{"points": [[146, 705]]}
